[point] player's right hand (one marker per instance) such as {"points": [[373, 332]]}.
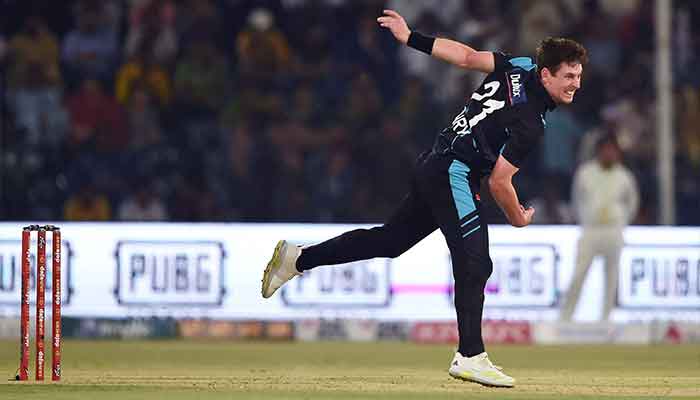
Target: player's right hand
{"points": [[525, 217], [396, 24]]}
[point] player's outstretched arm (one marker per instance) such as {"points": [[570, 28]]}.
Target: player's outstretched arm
{"points": [[453, 52], [502, 190]]}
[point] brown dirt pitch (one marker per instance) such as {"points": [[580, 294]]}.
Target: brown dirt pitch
{"points": [[179, 369]]}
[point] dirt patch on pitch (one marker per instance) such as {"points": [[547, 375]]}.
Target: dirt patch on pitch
{"points": [[412, 382]]}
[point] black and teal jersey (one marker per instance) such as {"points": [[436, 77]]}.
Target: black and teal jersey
{"points": [[505, 115]]}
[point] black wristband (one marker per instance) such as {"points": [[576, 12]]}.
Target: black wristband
{"points": [[421, 42]]}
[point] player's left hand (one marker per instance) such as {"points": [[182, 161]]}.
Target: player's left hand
{"points": [[396, 24]]}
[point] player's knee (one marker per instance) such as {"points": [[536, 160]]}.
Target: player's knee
{"points": [[481, 271]]}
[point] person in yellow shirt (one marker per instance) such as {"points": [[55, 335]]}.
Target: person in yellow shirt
{"points": [[33, 51], [87, 205], [139, 70], [261, 48]]}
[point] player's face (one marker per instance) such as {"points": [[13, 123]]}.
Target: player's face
{"points": [[562, 85]]}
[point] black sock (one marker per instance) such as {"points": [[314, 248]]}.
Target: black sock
{"points": [[299, 263]]}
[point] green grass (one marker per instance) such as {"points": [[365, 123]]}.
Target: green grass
{"points": [[173, 370]]}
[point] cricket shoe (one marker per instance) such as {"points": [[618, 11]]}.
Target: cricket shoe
{"points": [[281, 268], [480, 370]]}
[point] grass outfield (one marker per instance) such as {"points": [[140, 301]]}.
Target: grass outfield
{"points": [[173, 370]]}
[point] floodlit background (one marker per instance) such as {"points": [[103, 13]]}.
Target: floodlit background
{"points": [[306, 111], [230, 124]]}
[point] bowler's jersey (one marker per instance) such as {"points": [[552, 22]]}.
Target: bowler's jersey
{"points": [[505, 115]]}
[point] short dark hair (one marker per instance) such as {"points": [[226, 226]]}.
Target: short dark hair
{"points": [[553, 51], [607, 139]]}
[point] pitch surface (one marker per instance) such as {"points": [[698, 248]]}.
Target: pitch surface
{"points": [[176, 370]]}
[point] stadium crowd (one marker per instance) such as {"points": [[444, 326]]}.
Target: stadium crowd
{"points": [[304, 110]]}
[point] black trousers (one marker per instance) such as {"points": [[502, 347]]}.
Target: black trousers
{"points": [[444, 195]]}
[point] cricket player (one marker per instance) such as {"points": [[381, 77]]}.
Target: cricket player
{"points": [[490, 136], [606, 199]]}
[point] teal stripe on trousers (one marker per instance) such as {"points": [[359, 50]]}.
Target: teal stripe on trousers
{"points": [[464, 202], [471, 231]]}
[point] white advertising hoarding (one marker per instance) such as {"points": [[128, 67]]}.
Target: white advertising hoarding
{"points": [[154, 272], [214, 270], [660, 276], [524, 275]]}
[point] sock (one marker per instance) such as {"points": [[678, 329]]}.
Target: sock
{"points": [[298, 263]]}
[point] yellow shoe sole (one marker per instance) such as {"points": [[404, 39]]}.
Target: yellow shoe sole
{"points": [[470, 378], [274, 261]]}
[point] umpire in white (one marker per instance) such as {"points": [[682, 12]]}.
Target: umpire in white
{"points": [[606, 199]]}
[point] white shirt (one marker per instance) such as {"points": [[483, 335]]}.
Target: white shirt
{"points": [[605, 197]]}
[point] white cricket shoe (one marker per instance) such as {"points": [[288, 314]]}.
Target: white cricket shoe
{"points": [[281, 268], [480, 370]]}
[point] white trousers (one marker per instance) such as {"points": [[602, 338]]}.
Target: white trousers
{"points": [[606, 242]]}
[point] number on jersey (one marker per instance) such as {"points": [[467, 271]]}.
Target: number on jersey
{"points": [[460, 124]]}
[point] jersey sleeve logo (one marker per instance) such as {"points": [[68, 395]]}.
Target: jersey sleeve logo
{"points": [[516, 87]]}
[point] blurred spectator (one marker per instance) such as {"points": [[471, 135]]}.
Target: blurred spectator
{"points": [[241, 177], [449, 12], [34, 56], [254, 103], [426, 68], [201, 23], [290, 199], [333, 194], [363, 104], [617, 8], [598, 33], [483, 26], [687, 194], [143, 204], [416, 101], [262, 50], [305, 105], [96, 119], [392, 156], [87, 204], [142, 70], [91, 49], [606, 199], [372, 51], [112, 14], [3, 49], [194, 201], [688, 160], [689, 126], [540, 19], [143, 121], [633, 116], [152, 32], [35, 82], [313, 51], [685, 47], [200, 80], [637, 28]]}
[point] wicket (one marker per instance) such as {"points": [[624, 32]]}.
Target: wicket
{"points": [[23, 373]]}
